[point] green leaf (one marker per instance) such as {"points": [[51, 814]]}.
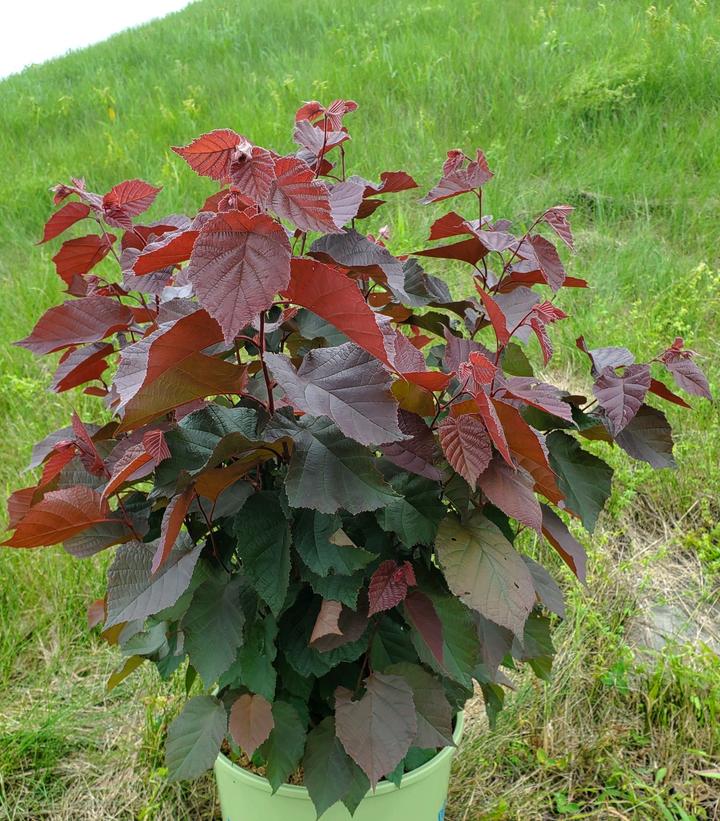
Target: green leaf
{"points": [[329, 773], [194, 738], [584, 479], [253, 667], [340, 588], [433, 711], [515, 362], [264, 546], [313, 532], [134, 592], [485, 571], [461, 649], [295, 630], [391, 644], [414, 515], [327, 470], [284, 749], [213, 626]]}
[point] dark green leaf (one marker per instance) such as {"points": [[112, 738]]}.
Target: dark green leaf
{"points": [[284, 749], [340, 588], [194, 738], [313, 531], [213, 626], [264, 546], [584, 479], [327, 470], [414, 515]]}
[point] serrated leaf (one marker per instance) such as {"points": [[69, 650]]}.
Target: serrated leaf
{"points": [[584, 479], [89, 319], [621, 396], [328, 771], [64, 218], [60, 515], [377, 730], [433, 711], [238, 264], [346, 384], [300, 197], [135, 593], [648, 436], [210, 154], [251, 721], [466, 445], [194, 738], [485, 571], [329, 471], [213, 626], [285, 746], [312, 533], [512, 492], [389, 585], [263, 544], [416, 512], [546, 587]]}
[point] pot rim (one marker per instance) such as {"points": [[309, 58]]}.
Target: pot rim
{"points": [[297, 791]]}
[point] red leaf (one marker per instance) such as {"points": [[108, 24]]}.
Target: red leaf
{"points": [[495, 315], [210, 155], [530, 391], [421, 613], [468, 250], [127, 200], [557, 219], [172, 522], [389, 585], [156, 446], [457, 179], [253, 174], [527, 449], [251, 722], [481, 369], [466, 445], [96, 613], [302, 199], [333, 114], [171, 249], [621, 396], [512, 492], [78, 256], [391, 182], [89, 319], [334, 297], [449, 225], [196, 376], [238, 264], [661, 390], [486, 409], [19, 502], [130, 463], [570, 550], [89, 455], [145, 361], [81, 365], [61, 455], [549, 261], [59, 515], [63, 219], [685, 372]]}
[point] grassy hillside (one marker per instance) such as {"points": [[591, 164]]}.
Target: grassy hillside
{"points": [[612, 107]]}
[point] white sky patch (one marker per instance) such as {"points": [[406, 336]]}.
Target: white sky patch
{"points": [[33, 31]]}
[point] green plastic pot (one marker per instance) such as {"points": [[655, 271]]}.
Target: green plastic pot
{"points": [[421, 796]]}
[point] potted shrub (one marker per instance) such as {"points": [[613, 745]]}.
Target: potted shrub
{"points": [[317, 461]]}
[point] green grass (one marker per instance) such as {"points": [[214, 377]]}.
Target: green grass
{"points": [[612, 107]]}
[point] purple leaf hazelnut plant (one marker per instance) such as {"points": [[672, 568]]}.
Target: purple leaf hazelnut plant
{"points": [[319, 458]]}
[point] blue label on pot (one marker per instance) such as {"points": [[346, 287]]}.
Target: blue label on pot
{"points": [[441, 814]]}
